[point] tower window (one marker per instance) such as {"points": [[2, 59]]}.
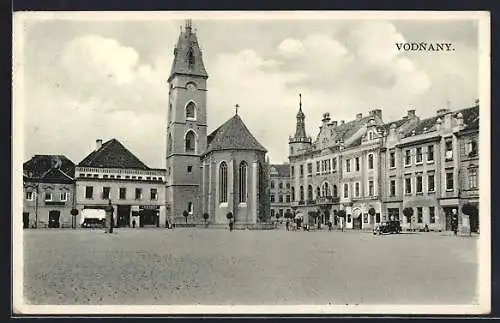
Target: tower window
{"points": [[191, 110], [243, 182], [190, 143], [223, 182]]}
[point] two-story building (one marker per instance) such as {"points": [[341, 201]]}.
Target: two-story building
{"points": [[48, 189], [112, 173]]}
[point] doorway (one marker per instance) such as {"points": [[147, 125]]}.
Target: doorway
{"points": [[26, 220], [123, 216], [149, 217], [54, 219]]}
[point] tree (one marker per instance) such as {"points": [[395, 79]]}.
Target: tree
{"points": [[205, 217], [185, 214], [408, 213]]}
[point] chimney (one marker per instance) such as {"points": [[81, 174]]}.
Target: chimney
{"points": [[411, 113], [326, 118], [359, 116], [98, 144]]}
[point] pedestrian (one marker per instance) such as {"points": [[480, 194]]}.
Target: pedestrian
{"points": [[231, 224], [454, 221], [341, 222], [330, 224], [133, 223], [287, 225]]}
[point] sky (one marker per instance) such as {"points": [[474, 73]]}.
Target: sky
{"points": [[89, 79]]}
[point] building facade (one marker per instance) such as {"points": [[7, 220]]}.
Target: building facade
{"points": [[48, 190], [112, 173], [280, 190], [373, 170], [220, 173]]}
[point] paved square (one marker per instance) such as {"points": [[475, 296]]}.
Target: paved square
{"points": [[205, 266]]}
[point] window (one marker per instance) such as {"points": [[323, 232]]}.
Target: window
{"points": [[123, 193], [272, 212], [111, 176], [96, 175], [430, 153], [318, 192], [392, 159], [153, 193], [317, 166], [272, 184], [292, 171], [223, 183], [448, 149], [356, 189], [408, 185], [104, 176], [138, 193], [89, 192], [287, 198], [473, 177], [280, 198], [48, 197], [407, 157], [309, 193], [309, 168], [419, 184], [419, 155], [105, 192], [280, 185], [328, 166], [449, 181], [357, 164], [189, 168], [29, 196], [302, 193], [371, 188], [430, 183], [190, 207], [272, 198], [370, 161], [293, 193], [471, 148], [334, 164], [346, 190], [432, 214], [301, 170], [63, 197], [243, 182], [348, 165], [190, 142], [335, 193], [281, 212], [326, 189], [419, 215], [288, 185], [190, 111], [393, 188]]}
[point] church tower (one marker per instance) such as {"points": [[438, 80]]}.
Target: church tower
{"points": [[299, 142], [186, 128]]}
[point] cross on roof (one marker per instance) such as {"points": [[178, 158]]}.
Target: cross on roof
{"points": [[236, 107]]}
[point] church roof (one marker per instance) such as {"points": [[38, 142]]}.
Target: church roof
{"points": [[112, 154], [187, 55], [233, 134], [49, 168]]}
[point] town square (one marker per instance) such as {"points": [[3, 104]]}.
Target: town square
{"points": [[265, 162]]}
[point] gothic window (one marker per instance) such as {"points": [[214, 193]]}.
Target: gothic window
{"points": [[243, 182], [191, 110], [318, 192], [334, 191], [223, 182], [190, 142], [302, 193], [326, 189], [293, 193], [309, 193], [190, 57]]}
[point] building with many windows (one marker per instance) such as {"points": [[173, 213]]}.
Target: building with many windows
{"points": [[373, 170], [219, 173], [280, 190], [112, 173], [48, 187]]}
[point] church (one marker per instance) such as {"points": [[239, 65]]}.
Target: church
{"points": [[209, 174]]}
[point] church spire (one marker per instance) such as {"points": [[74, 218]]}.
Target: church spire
{"points": [[187, 54]]}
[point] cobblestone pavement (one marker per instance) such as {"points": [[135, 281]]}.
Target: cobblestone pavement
{"points": [[204, 266]]}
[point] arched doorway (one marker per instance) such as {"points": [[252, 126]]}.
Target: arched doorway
{"points": [[356, 219], [54, 219]]}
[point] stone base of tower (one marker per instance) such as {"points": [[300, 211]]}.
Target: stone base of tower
{"points": [[179, 199]]}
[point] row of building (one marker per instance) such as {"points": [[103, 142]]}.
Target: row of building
{"points": [[374, 170]]}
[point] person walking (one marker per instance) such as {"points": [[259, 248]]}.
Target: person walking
{"points": [[231, 224], [454, 221], [341, 222], [287, 225], [330, 224]]}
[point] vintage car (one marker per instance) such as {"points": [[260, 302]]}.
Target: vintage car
{"points": [[388, 227]]}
